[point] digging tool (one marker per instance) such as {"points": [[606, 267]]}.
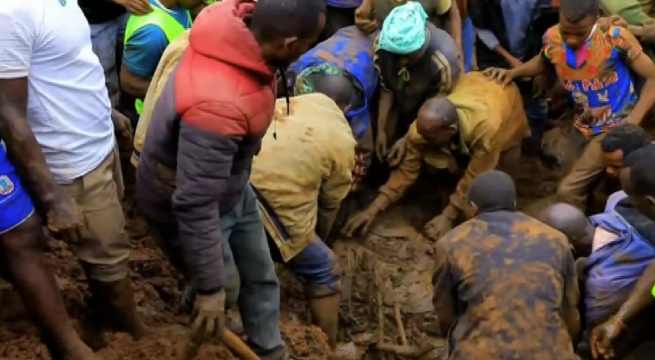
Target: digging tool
{"points": [[404, 350], [230, 339]]}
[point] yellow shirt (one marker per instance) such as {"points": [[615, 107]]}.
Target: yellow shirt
{"points": [[167, 64], [491, 121], [307, 169]]}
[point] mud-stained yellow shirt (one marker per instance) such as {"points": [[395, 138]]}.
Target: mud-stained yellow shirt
{"points": [[491, 121], [307, 169], [510, 279]]}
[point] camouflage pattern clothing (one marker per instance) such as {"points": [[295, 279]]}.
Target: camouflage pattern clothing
{"points": [[510, 279]]}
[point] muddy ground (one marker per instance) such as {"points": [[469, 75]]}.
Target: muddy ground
{"points": [[386, 310]]}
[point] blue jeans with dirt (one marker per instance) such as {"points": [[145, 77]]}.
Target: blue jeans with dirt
{"points": [[104, 39], [250, 278], [316, 265]]}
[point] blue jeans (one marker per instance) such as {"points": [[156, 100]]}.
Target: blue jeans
{"points": [[468, 43], [248, 269], [104, 39], [248, 266], [316, 265]]}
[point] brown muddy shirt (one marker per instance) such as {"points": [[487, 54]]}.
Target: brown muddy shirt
{"points": [[510, 279], [491, 122]]}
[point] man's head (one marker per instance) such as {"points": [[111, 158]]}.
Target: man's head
{"points": [[404, 33], [576, 20], [437, 121], [338, 88], [621, 142], [285, 29], [573, 223], [492, 191], [638, 179]]}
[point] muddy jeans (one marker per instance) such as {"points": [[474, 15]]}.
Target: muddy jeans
{"points": [[104, 39], [104, 249], [576, 185], [248, 269]]}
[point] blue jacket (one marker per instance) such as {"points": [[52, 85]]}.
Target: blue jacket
{"points": [[613, 270], [350, 50]]}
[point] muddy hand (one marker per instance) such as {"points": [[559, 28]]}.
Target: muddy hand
{"points": [[208, 316], [502, 76], [136, 7], [397, 153], [604, 23], [360, 223], [65, 219], [123, 129], [603, 337], [438, 227]]}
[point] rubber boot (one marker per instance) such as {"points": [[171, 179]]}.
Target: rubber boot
{"points": [[92, 326], [121, 308], [325, 314], [112, 307]]}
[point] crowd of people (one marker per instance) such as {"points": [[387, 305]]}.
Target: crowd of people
{"points": [[236, 129]]}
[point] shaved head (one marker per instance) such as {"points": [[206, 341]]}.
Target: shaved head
{"points": [[437, 120], [337, 87], [573, 223], [493, 191]]}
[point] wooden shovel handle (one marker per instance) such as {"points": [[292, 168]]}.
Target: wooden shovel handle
{"points": [[230, 339]]}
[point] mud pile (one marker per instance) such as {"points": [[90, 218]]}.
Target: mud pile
{"points": [[386, 310]]}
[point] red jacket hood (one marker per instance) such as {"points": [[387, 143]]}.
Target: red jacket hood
{"points": [[220, 33]]}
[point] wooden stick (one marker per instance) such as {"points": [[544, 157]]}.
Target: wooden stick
{"points": [[399, 325], [404, 350], [380, 316], [240, 348], [230, 339]]}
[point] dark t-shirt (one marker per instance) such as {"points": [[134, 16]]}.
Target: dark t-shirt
{"points": [[435, 74], [100, 11]]}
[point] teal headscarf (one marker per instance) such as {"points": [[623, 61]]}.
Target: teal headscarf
{"points": [[403, 31]]}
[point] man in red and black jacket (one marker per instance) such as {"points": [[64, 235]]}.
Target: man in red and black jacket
{"points": [[207, 125]]}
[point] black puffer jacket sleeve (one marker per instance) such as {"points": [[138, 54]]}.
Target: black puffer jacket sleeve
{"points": [[204, 163]]}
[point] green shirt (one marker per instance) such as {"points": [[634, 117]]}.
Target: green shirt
{"points": [[635, 12]]}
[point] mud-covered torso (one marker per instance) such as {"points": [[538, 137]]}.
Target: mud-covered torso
{"points": [[509, 272]]}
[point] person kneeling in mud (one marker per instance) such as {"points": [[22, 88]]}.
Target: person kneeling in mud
{"points": [[481, 121], [416, 61], [617, 246], [504, 279], [627, 326]]}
